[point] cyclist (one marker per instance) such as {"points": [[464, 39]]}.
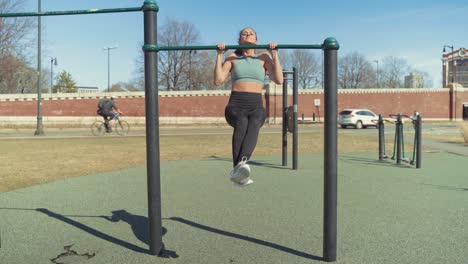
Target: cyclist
{"points": [[108, 110]]}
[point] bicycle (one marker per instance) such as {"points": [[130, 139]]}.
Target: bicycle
{"points": [[121, 127]]}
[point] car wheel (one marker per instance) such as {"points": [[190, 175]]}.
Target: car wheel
{"points": [[343, 126], [358, 125]]}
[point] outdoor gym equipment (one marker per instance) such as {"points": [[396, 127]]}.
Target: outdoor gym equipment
{"points": [[399, 142], [290, 118], [381, 127], [151, 48]]}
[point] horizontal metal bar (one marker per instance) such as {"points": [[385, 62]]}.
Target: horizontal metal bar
{"points": [[328, 44], [73, 12], [288, 72], [233, 47]]}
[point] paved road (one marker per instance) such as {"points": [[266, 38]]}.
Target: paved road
{"points": [[440, 129], [428, 129]]}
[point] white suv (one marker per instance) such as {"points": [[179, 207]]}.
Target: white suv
{"points": [[357, 118]]}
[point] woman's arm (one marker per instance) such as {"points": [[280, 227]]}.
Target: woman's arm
{"points": [[273, 65], [222, 69]]}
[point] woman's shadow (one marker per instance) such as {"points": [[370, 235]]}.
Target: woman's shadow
{"points": [[138, 224]]}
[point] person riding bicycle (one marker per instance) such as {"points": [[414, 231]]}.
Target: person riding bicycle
{"points": [[108, 109]]}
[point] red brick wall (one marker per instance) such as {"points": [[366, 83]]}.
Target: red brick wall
{"points": [[193, 106], [431, 103]]}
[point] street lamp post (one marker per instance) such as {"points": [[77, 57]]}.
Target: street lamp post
{"points": [[39, 128], [453, 62], [377, 73], [53, 61], [108, 65]]}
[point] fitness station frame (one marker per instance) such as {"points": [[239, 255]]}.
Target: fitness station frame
{"points": [[151, 49]]}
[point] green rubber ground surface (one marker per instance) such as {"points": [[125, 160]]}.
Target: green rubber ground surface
{"points": [[386, 214]]}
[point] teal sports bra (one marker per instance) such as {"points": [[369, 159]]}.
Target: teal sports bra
{"points": [[248, 69]]}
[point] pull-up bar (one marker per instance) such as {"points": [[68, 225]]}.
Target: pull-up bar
{"points": [[151, 49], [329, 45], [72, 12], [80, 12]]}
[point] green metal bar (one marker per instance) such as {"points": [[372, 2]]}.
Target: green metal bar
{"points": [[72, 12], [156, 48]]}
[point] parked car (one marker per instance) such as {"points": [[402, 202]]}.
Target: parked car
{"points": [[358, 118]]}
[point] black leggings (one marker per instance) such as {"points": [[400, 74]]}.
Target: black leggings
{"points": [[246, 114]]}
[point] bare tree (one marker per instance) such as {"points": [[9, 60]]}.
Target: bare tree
{"points": [[428, 82], [309, 70], [124, 87], [202, 73], [285, 59], [15, 74], [393, 71], [139, 72], [174, 66], [355, 71], [180, 70], [13, 30]]}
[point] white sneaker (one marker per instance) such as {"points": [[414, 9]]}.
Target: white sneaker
{"points": [[241, 172], [245, 182]]}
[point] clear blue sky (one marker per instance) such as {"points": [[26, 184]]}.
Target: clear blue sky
{"points": [[414, 30]]}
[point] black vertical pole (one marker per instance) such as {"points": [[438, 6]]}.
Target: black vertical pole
{"points": [[285, 120], [295, 106], [381, 141], [39, 128], [330, 47], [398, 137], [418, 141], [150, 10]]}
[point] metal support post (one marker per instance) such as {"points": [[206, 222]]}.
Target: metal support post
{"points": [[330, 153], [285, 121], [381, 137], [418, 141], [398, 139], [156, 246], [295, 109]]}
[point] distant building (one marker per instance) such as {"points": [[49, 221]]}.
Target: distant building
{"points": [[80, 89], [87, 89], [414, 80], [455, 67]]}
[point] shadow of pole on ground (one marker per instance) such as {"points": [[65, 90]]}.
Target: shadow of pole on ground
{"points": [[245, 238]]}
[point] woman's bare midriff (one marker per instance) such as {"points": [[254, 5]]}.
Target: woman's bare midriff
{"points": [[249, 87]]}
